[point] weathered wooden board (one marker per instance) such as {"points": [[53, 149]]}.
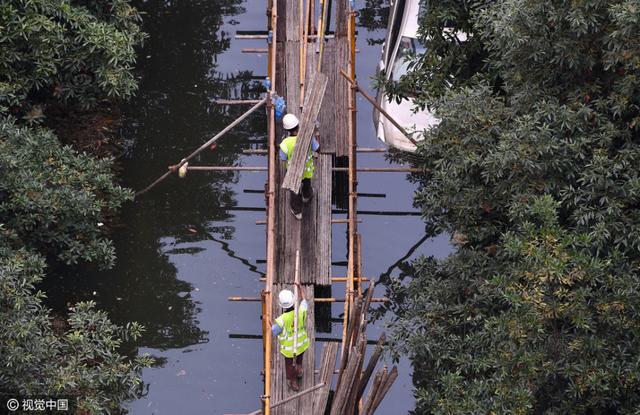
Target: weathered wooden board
{"points": [[327, 366], [342, 8], [312, 102], [292, 64], [315, 238], [327, 116], [323, 219], [341, 94]]}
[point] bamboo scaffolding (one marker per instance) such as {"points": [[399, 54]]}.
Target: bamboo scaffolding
{"points": [[236, 101], [358, 150], [204, 146], [254, 50], [318, 339], [377, 106], [333, 279], [333, 221], [263, 37], [317, 300], [288, 399], [336, 169], [321, 30]]}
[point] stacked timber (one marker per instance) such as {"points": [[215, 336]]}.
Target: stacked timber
{"points": [[352, 380]]}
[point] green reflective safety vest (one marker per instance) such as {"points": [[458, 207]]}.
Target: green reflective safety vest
{"points": [[286, 336], [287, 146]]}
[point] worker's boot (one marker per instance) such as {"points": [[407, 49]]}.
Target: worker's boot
{"points": [[293, 385], [306, 191], [295, 205]]}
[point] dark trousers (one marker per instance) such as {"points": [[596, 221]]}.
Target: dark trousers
{"points": [[296, 198], [292, 372]]}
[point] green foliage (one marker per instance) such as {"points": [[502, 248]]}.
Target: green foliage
{"points": [[77, 52], [533, 170], [80, 359], [53, 199]]}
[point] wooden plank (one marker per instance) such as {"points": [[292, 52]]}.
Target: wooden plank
{"points": [[377, 381], [327, 366], [309, 237], [281, 28], [313, 101], [292, 68], [341, 94], [373, 361], [327, 115], [342, 9], [384, 388], [292, 21], [323, 218], [341, 395]]}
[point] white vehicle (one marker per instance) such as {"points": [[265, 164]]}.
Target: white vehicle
{"points": [[402, 39]]}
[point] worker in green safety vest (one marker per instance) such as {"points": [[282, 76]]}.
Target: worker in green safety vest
{"points": [[284, 328], [287, 147]]}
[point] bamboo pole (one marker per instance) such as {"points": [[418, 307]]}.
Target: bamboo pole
{"points": [[336, 169], [296, 280], [373, 361], [271, 211], [378, 107], [333, 221], [204, 146], [236, 101], [333, 279], [304, 18], [287, 399], [321, 30], [317, 300], [254, 50], [358, 150], [384, 388]]}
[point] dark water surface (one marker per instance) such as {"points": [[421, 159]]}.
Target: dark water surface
{"points": [[187, 245]]}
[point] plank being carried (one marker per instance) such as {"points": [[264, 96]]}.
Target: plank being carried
{"points": [[312, 102]]}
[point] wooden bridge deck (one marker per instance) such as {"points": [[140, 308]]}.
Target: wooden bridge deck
{"points": [[311, 235]]}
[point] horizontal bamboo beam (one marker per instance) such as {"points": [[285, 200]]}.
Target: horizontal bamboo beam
{"points": [[258, 37], [254, 50], [227, 168], [381, 169], [317, 300], [371, 150], [184, 161], [288, 399], [333, 221], [359, 150], [339, 169], [317, 339], [359, 194], [236, 101], [333, 279]]}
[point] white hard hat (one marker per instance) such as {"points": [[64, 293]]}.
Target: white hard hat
{"points": [[290, 122], [285, 298]]}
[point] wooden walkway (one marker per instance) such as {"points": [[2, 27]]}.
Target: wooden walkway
{"points": [[311, 235], [296, 51]]}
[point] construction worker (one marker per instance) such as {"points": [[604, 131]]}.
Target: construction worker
{"points": [[284, 328], [287, 147]]}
